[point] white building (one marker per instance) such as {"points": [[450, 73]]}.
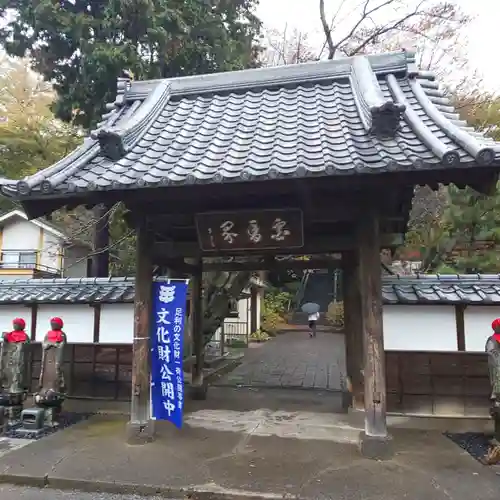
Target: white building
{"points": [[38, 249], [443, 313], [100, 310]]}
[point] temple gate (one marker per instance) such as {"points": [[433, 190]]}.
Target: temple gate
{"points": [[225, 173]]}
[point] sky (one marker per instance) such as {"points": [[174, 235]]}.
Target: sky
{"points": [[481, 36]]}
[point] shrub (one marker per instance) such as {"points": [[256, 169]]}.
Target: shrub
{"points": [[335, 314], [271, 322], [274, 310], [259, 336]]}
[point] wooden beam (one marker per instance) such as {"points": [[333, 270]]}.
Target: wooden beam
{"points": [[375, 439], [140, 429], [316, 245], [258, 265], [34, 319], [253, 309], [97, 323], [353, 326], [460, 322]]}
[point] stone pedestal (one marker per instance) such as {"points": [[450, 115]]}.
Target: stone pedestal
{"points": [[376, 447], [139, 433]]}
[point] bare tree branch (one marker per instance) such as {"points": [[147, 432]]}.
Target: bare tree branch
{"points": [[327, 30]]}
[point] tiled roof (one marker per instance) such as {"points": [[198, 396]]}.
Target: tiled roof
{"points": [[365, 114], [73, 290], [442, 289], [67, 290]]}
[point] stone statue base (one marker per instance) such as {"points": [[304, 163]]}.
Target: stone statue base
{"points": [[493, 455], [12, 406], [13, 415]]}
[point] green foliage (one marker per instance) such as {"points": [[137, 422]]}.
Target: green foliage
{"points": [[83, 46], [335, 314], [259, 336], [276, 301], [274, 309], [30, 137], [458, 230]]}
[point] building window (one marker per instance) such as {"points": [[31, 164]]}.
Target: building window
{"points": [[18, 260]]}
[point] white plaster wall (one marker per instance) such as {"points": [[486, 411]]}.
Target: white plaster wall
{"points": [[117, 324], [419, 328], [243, 317], [8, 313], [78, 321], [478, 321], [243, 311], [20, 235], [51, 248]]}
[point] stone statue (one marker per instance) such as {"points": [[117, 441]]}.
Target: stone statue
{"points": [[51, 386], [12, 371], [493, 350]]}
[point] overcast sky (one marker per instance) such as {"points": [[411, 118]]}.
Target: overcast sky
{"points": [[482, 34]]}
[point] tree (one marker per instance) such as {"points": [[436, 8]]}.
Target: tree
{"points": [[30, 137], [83, 46], [367, 26], [286, 47]]}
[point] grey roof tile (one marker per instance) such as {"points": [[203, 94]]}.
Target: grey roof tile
{"points": [[74, 290], [317, 119], [441, 289], [67, 291]]}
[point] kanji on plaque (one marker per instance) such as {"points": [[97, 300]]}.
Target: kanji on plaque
{"points": [[167, 376], [250, 230]]}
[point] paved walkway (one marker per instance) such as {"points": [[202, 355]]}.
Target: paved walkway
{"points": [[242, 464], [293, 360], [9, 492]]}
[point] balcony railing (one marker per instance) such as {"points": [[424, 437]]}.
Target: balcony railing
{"points": [[34, 267], [25, 260]]}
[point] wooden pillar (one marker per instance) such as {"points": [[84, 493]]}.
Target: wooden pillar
{"points": [[100, 260], [140, 429], [253, 309], [353, 327], [198, 384], [374, 441], [460, 322]]}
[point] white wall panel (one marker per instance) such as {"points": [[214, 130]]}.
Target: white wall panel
{"points": [[478, 321], [78, 321], [420, 328], [117, 324]]}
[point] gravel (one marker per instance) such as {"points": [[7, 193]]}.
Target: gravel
{"points": [[8, 492], [474, 443], [65, 420]]}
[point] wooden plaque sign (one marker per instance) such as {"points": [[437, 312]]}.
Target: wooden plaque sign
{"points": [[250, 230]]}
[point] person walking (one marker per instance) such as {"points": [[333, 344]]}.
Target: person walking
{"points": [[313, 318]]}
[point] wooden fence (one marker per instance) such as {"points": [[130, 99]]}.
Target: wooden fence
{"points": [[437, 383], [430, 383], [97, 371]]}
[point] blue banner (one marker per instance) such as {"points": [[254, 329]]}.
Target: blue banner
{"points": [[167, 338]]}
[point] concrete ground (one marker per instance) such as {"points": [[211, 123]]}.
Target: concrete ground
{"points": [[281, 452], [9, 492], [293, 360], [263, 443]]}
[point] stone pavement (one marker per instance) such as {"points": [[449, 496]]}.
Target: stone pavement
{"points": [[269, 449], [9, 492], [292, 360]]}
